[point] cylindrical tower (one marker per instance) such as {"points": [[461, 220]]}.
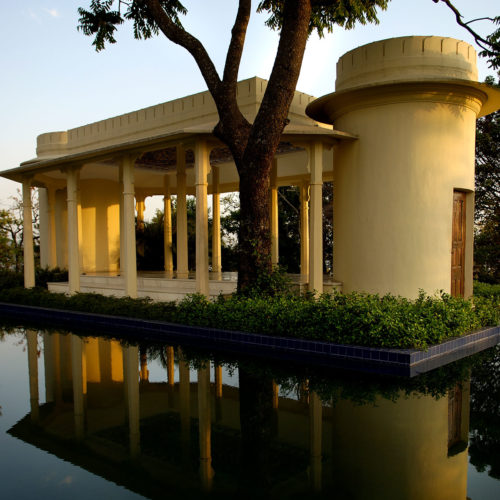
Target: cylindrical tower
{"points": [[403, 199]]}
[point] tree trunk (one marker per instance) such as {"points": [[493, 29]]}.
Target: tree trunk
{"points": [[254, 233]]}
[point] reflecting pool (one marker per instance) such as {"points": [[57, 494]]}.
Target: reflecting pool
{"points": [[84, 416]]}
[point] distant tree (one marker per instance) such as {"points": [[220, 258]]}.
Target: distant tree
{"points": [[150, 238], [252, 145], [487, 196], [288, 229], [12, 234]]}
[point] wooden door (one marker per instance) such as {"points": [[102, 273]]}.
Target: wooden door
{"points": [[458, 245]]}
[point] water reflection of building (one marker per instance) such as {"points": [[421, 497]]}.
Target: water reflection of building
{"points": [[188, 433]]}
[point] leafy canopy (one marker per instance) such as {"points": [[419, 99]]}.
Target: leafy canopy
{"points": [[102, 20]]}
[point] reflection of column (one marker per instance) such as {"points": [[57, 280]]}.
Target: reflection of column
{"points": [[315, 432], [218, 392], [276, 391], [316, 230], [169, 351], [167, 228], [206, 471], [144, 372], [28, 250], [130, 376], [79, 375], [170, 365], [182, 239], [184, 407], [274, 214], [73, 242], [48, 362], [275, 421], [32, 340], [304, 232], [56, 349], [216, 241], [201, 166], [130, 264]]}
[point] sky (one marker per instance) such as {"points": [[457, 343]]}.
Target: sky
{"points": [[52, 78]]}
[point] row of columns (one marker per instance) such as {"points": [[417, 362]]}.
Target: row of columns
{"points": [[311, 219], [133, 372], [311, 241]]}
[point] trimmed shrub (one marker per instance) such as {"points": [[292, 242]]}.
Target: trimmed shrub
{"points": [[355, 318]]}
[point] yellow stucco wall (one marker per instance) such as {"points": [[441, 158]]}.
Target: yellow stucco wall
{"points": [[99, 221], [413, 105], [394, 196], [100, 241]]}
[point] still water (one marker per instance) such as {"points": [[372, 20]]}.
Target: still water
{"points": [[84, 417]]}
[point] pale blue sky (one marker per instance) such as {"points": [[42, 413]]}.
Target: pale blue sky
{"points": [[52, 79]]}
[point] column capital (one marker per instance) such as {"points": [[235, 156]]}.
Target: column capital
{"points": [[28, 179], [71, 168]]}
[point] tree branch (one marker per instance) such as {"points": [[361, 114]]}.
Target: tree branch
{"points": [[273, 112], [181, 37], [482, 42], [235, 50]]}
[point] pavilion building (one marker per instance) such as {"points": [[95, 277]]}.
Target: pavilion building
{"points": [[396, 138]]}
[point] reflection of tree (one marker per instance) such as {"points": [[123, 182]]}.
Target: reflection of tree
{"points": [[256, 411], [484, 447]]}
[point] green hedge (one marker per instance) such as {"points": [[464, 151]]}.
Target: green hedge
{"points": [[10, 279], [355, 318], [486, 290]]}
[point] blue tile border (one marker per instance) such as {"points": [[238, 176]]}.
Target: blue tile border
{"points": [[407, 362]]}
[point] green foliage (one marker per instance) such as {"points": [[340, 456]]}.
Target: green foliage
{"points": [[101, 21], [355, 319], [487, 197], [493, 51], [326, 15], [484, 447], [10, 279], [13, 279], [486, 290]]}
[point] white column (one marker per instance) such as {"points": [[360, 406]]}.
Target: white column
{"points": [[182, 239], [51, 202], [167, 227], [32, 341], [122, 224], [43, 209], [73, 242], [131, 379], [316, 222], [79, 375], [216, 241], [140, 206], [130, 266], [274, 214], [201, 166], [304, 232], [28, 250]]}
